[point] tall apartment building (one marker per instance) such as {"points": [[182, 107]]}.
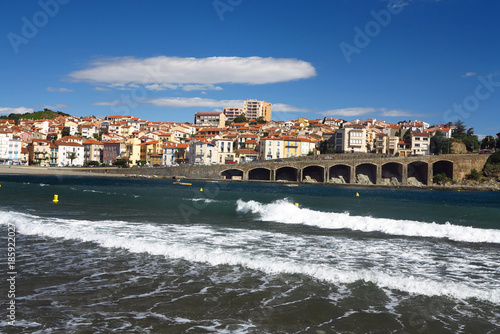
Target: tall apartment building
{"points": [[232, 112], [254, 109]]}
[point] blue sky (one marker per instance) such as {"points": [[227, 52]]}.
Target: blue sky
{"points": [[165, 60]]}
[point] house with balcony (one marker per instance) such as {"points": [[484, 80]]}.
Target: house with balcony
{"points": [[202, 153], [149, 148], [210, 119], [247, 155], [111, 150], [291, 147], [420, 143], [225, 146], [174, 153], [39, 152], [93, 150], [271, 147], [351, 138], [69, 153]]}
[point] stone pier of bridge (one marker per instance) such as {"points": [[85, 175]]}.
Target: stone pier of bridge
{"points": [[353, 168]]}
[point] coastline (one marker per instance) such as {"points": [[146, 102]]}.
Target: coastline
{"points": [[127, 173]]}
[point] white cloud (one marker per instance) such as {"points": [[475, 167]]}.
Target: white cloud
{"points": [[353, 112], [198, 102], [469, 74], [160, 87], [187, 102], [17, 110], [281, 107], [205, 71], [396, 113], [54, 106], [59, 90], [106, 104], [349, 112], [189, 88], [102, 89]]}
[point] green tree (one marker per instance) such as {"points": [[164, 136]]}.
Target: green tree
{"points": [[492, 165], [460, 131], [122, 162], [474, 175], [72, 156], [439, 143], [407, 135], [65, 132], [488, 142], [261, 120], [240, 119], [471, 143]]}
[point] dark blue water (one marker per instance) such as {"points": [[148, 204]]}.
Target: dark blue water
{"points": [[148, 256]]}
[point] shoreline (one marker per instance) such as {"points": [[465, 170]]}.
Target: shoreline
{"points": [[114, 172]]}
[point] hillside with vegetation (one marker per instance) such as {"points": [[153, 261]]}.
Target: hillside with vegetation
{"points": [[42, 114], [492, 166]]}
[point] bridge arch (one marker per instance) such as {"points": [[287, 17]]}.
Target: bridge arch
{"points": [[418, 170], [392, 169], [366, 173], [287, 174], [232, 174], [314, 172], [443, 167], [340, 172], [259, 174]]}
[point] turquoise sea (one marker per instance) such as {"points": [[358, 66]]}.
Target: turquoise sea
{"points": [[118, 255]]}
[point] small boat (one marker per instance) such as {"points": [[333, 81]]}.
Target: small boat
{"points": [[291, 185], [183, 183], [212, 181]]}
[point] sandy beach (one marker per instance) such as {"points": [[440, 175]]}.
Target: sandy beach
{"points": [[67, 171]]}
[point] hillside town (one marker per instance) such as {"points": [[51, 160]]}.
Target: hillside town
{"points": [[234, 135]]}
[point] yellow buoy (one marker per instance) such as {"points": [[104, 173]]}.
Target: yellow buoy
{"points": [[296, 204], [56, 199], [357, 195], [201, 189]]}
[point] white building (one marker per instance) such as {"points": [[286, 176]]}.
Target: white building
{"points": [[5, 138], [226, 150], [70, 154], [352, 138], [202, 153], [271, 148], [210, 119], [420, 143]]}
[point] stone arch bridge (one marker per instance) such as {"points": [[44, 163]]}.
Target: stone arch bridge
{"points": [[343, 168]]}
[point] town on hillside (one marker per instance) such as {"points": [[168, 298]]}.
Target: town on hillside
{"points": [[235, 135]]}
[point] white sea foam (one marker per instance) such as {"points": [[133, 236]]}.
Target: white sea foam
{"points": [[283, 211], [269, 252], [92, 191], [205, 200]]}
